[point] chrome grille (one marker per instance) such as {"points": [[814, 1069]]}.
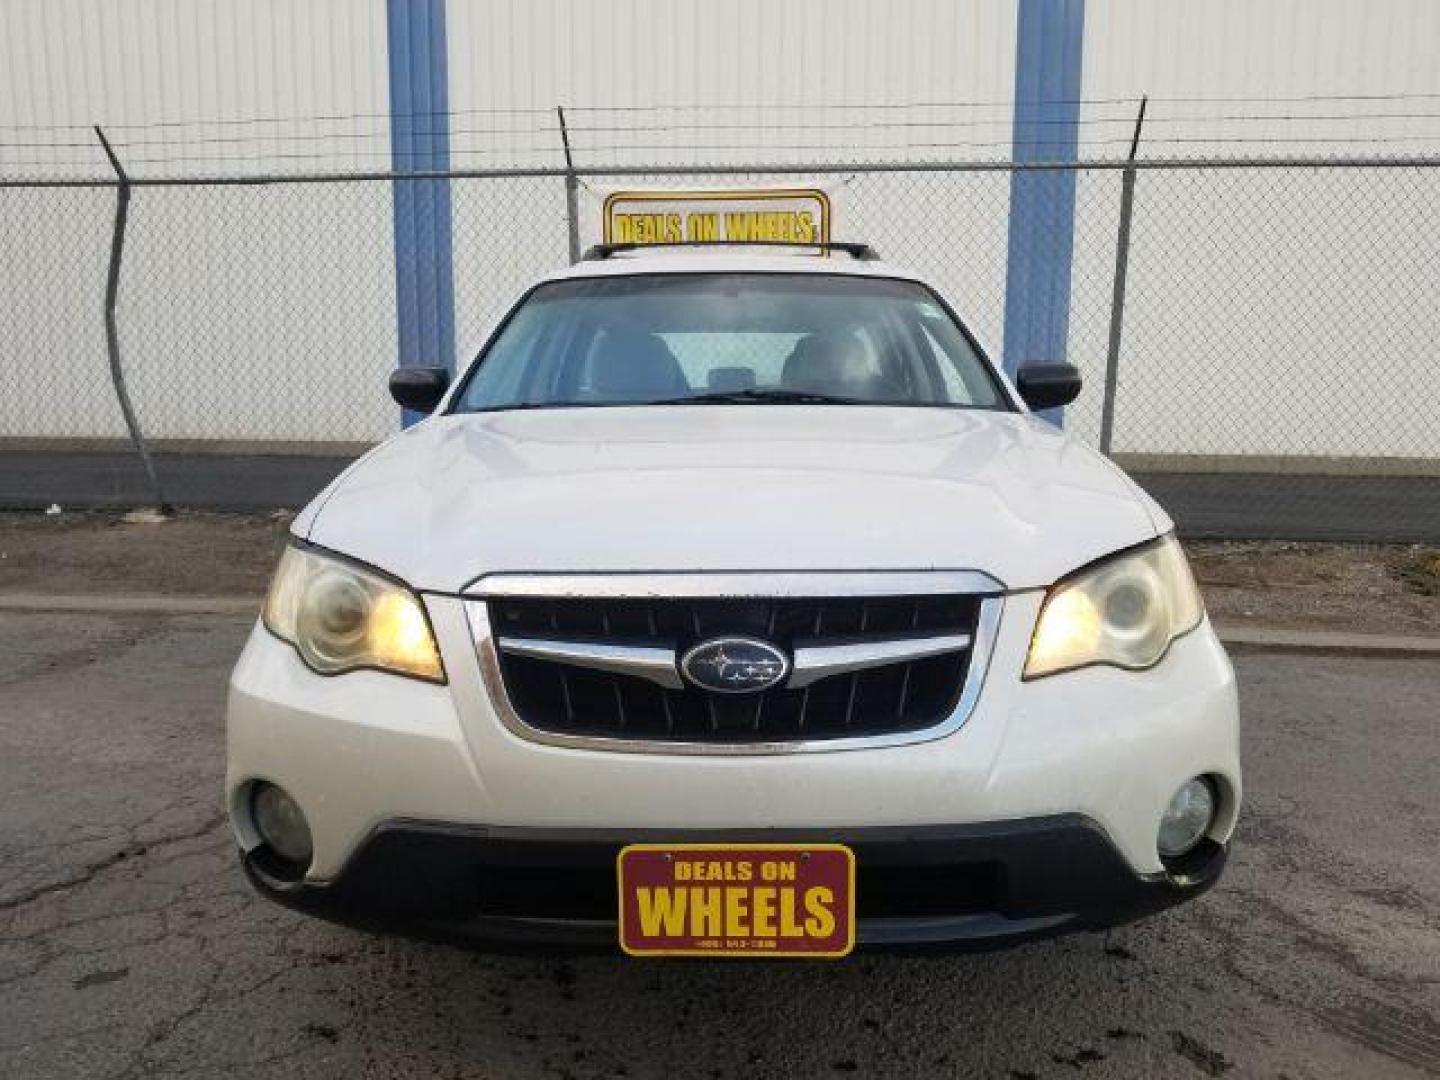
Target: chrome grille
{"points": [[601, 670]]}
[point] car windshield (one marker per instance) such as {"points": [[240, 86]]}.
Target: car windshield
{"points": [[730, 338]]}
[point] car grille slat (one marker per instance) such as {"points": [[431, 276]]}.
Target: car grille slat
{"points": [[554, 695], [619, 691], [905, 675], [568, 698]]}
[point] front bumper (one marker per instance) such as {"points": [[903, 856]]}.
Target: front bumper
{"points": [[368, 754], [949, 887]]}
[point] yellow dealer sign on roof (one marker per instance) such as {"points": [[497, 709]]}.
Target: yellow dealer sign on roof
{"points": [[770, 215]]}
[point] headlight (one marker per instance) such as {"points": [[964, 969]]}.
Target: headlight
{"points": [[340, 617], [1124, 611]]}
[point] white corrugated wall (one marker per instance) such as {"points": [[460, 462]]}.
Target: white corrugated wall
{"points": [[1271, 313], [245, 313], [696, 82], [268, 313]]}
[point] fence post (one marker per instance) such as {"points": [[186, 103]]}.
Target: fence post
{"points": [[112, 334], [1117, 297], [572, 190]]}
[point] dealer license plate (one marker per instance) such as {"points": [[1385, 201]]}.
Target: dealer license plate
{"points": [[762, 900]]}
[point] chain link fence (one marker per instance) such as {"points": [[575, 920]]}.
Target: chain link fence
{"points": [[1278, 318]]}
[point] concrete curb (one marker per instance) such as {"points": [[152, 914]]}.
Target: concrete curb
{"points": [[121, 604], [1240, 639], [1243, 639]]}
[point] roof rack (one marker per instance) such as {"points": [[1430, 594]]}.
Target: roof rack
{"points": [[857, 250]]}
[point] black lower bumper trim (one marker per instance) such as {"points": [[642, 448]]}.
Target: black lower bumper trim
{"points": [[955, 887]]}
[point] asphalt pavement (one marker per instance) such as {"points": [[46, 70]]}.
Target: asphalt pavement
{"points": [[1403, 509], [130, 945]]}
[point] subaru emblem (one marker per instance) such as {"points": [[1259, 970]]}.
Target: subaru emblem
{"points": [[735, 665]]}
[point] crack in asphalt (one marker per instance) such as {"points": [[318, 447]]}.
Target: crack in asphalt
{"points": [[81, 876], [131, 633], [1209, 1061], [85, 874]]}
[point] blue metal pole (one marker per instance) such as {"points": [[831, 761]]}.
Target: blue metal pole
{"points": [[1049, 50], [420, 141]]}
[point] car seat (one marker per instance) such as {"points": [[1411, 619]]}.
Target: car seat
{"points": [[828, 363], [632, 366]]}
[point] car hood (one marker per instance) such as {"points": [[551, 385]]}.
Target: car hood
{"points": [[737, 488]]}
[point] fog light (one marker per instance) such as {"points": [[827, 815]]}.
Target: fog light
{"points": [[1187, 818], [281, 824]]}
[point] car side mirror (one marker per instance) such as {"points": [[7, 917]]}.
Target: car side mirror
{"points": [[419, 388], [1048, 386]]}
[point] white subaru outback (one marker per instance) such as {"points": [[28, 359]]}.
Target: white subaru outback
{"points": [[733, 602]]}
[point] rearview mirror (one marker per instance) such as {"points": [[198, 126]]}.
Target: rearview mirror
{"points": [[1048, 386], [419, 388]]}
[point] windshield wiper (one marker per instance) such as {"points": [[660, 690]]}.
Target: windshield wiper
{"points": [[763, 395], [773, 395]]}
